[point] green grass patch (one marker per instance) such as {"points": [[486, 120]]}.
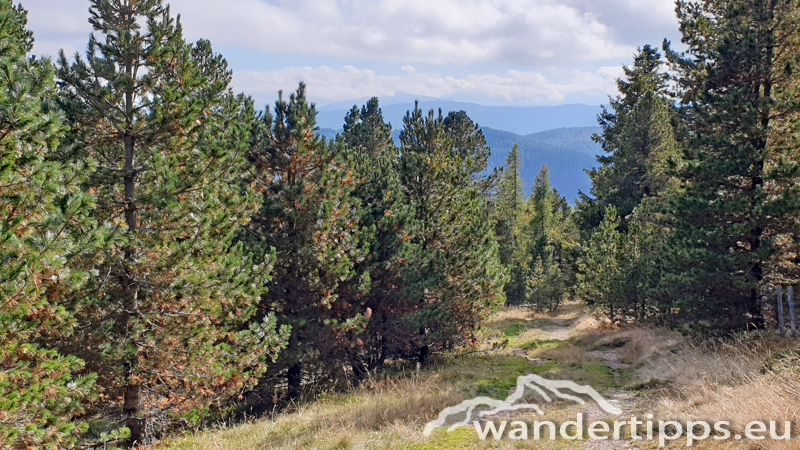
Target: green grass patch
{"points": [[783, 361], [597, 375], [512, 327], [441, 439], [543, 345], [627, 377], [498, 384]]}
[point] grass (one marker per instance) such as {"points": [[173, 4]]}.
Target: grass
{"points": [[386, 414], [543, 345], [752, 377], [728, 380]]}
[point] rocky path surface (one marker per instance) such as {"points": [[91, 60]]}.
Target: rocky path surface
{"points": [[591, 411]]}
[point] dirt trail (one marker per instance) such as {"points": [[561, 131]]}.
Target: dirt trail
{"points": [[558, 333], [562, 330]]}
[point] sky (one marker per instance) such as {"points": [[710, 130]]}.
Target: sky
{"points": [[492, 52]]}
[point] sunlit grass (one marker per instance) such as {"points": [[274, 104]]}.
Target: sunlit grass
{"points": [[668, 374]]}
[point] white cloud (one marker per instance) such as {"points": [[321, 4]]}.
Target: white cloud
{"points": [[434, 32], [58, 24], [544, 39], [520, 32], [329, 85]]}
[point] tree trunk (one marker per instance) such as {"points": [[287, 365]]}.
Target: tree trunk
{"points": [[131, 407], [780, 309], [294, 373], [791, 312], [382, 356], [424, 355], [294, 379]]}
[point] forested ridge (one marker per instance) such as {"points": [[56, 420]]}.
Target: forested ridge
{"points": [[568, 152], [172, 256]]}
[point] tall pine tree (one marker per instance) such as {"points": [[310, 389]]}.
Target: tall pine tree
{"points": [[309, 218], [164, 319], [452, 272], [373, 160], [724, 215]]}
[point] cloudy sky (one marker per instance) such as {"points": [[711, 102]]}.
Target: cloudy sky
{"points": [[510, 52]]}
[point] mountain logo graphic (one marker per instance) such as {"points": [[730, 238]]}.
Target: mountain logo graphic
{"points": [[546, 389]]}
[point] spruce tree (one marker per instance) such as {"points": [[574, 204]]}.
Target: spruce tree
{"points": [[40, 203], [601, 274], [726, 212], [546, 243], [638, 139], [509, 205], [620, 271], [164, 319]]}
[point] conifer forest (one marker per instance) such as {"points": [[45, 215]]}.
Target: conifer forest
{"points": [[174, 256]]}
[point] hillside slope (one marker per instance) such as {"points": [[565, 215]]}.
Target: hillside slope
{"points": [[567, 151]]}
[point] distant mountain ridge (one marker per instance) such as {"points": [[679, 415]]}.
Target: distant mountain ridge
{"points": [[521, 120], [567, 151]]}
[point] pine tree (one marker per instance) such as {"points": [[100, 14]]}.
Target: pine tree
{"points": [[165, 317], [312, 222], [368, 139], [366, 131], [638, 139], [39, 204], [783, 268], [724, 217], [467, 141], [452, 274]]}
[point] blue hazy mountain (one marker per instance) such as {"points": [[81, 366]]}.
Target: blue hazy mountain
{"points": [[567, 151], [516, 119], [399, 99]]}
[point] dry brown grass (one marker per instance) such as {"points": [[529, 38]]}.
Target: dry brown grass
{"points": [[712, 381], [727, 380], [532, 334], [567, 312], [394, 406], [567, 354], [509, 314], [588, 324], [720, 380]]}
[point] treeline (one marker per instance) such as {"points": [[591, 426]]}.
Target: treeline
{"points": [[169, 255], [693, 213]]}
